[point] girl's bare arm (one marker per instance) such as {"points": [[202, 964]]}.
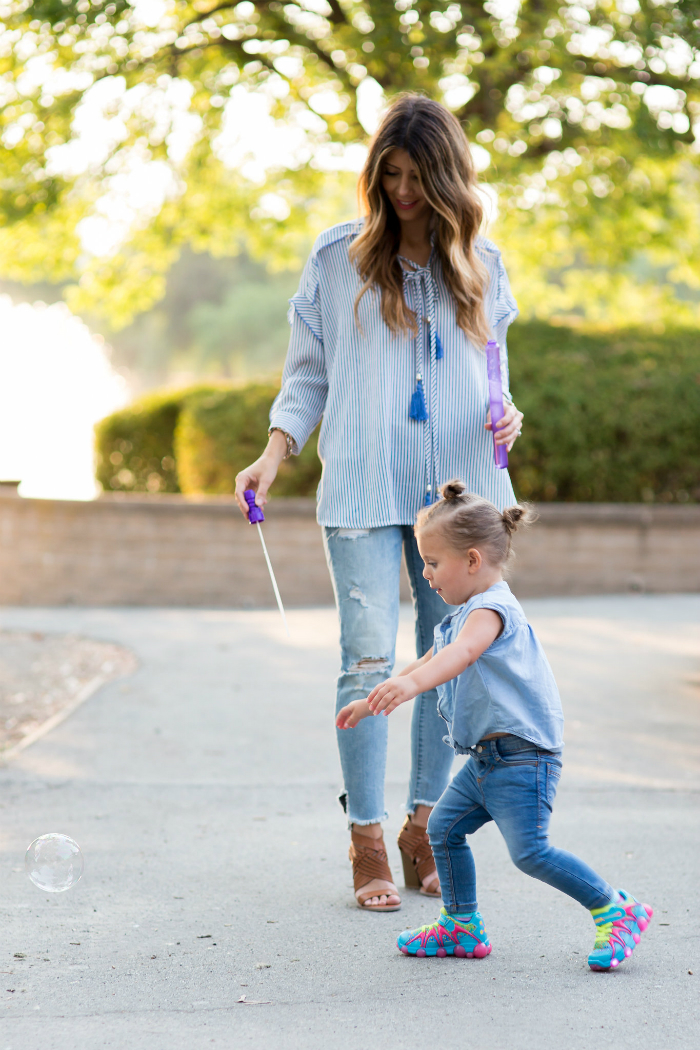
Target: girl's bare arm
{"points": [[410, 668], [482, 628]]}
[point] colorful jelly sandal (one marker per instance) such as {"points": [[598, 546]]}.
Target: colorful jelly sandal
{"points": [[619, 928], [371, 873], [460, 935], [418, 861]]}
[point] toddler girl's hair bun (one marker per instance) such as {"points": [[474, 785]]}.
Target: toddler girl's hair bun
{"points": [[517, 516], [453, 490], [467, 520]]}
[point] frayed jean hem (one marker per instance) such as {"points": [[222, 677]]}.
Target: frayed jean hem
{"points": [[419, 802], [366, 823]]}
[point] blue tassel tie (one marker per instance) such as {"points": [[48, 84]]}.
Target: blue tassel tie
{"points": [[439, 352], [428, 498], [418, 407]]}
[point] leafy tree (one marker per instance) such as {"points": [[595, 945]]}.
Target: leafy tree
{"points": [[247, 334], [223, 318], [583, 112]]}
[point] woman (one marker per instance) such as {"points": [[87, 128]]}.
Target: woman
{"points": [[387, 345]]}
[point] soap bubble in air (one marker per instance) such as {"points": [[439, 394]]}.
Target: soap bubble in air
{"points": [[54, 862]]}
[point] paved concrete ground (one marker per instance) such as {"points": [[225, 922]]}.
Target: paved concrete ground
{"points": [[202, 791]]}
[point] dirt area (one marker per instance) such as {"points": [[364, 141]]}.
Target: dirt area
{"points": [[43, 676]]}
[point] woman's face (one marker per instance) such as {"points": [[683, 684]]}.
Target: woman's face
{"points": [[402, 187]]}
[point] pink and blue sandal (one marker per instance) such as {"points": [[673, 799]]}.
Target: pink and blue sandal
{"points": [[460, 935], [620, 925]]}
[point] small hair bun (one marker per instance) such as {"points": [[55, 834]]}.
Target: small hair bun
{"points": [[453, 490], [515, 517]]}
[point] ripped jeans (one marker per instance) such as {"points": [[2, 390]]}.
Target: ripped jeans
{"points": [[365, 567]]}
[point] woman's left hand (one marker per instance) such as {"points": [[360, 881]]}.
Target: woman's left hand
{"points": [[508, 429]]}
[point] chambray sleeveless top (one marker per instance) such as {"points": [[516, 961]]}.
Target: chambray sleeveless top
{"points": [[509, 689]]}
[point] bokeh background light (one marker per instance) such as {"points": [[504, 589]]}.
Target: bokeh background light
{"points": [[56, 381]]}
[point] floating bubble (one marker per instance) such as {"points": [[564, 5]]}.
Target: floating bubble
{"points": [[54, 862]]}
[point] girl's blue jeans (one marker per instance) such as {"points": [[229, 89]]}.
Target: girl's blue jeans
{"points": [[512, 782], [365, 566]]}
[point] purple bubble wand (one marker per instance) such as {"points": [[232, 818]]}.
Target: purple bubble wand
{"points": [[255, 516], [493, 367]]}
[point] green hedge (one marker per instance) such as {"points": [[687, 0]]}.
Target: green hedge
{"points": [[195, 440], [135, 446], [219, 433], [608, 417]]}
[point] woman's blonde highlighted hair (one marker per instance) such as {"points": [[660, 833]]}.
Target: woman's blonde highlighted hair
{"points": [[435, 141], [467, 521]]}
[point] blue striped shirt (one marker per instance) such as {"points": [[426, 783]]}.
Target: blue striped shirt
{"points": [[379, 463]]}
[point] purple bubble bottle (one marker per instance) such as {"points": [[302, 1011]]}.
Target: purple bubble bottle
{"points": [[493, 367]]}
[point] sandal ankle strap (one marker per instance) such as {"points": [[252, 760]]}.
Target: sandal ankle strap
{"points": [[369, 860]]}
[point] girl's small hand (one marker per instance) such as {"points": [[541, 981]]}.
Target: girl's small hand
{"points": [[352, 713], [508, 429], [390, 694]]}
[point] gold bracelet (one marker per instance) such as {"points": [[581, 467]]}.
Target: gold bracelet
{"points": [[288, 437]]}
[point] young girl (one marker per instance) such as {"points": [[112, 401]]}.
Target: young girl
{"points": [[499, 699]]}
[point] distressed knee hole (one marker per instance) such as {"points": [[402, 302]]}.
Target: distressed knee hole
{"points": [[359, 596], [370, 665], [352, 534]]}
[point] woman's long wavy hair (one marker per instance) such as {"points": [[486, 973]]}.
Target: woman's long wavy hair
{"points": [[433, 138]]}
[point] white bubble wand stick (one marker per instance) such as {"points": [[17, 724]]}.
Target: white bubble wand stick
{"points": [[255, 517]]}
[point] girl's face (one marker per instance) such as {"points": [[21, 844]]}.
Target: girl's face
{"points": [[455, 575], [402, 187]]}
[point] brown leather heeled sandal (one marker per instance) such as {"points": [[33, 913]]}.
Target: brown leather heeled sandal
{"points": [[369, 863], [418, 860]]}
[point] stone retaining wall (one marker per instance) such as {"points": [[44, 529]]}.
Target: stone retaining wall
{"points": [[169, 550]]}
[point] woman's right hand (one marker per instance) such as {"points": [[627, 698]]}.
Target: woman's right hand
{"points": [[260, 475]]}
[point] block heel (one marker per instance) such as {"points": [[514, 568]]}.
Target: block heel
{"points": [[418, 860], [410, 875]]}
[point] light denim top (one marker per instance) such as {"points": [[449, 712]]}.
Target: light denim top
{"points": [[379, 463], [509, 689]]}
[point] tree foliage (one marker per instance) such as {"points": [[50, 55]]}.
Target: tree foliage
{"points": [[582, 113]]}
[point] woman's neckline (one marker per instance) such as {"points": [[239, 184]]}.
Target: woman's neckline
{"points": [[412, 264]]}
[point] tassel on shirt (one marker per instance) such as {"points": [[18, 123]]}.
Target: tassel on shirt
{"points": [[439, 352], [418, 406]]}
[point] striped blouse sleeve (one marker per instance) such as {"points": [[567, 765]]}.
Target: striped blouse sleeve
{"points": [[506, 310], [300, 403], [306, 302]]}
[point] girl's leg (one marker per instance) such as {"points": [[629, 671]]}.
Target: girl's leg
{"points": [[459, 929], [365, 566], [458, 813], [519, 792], [431, 757]]}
